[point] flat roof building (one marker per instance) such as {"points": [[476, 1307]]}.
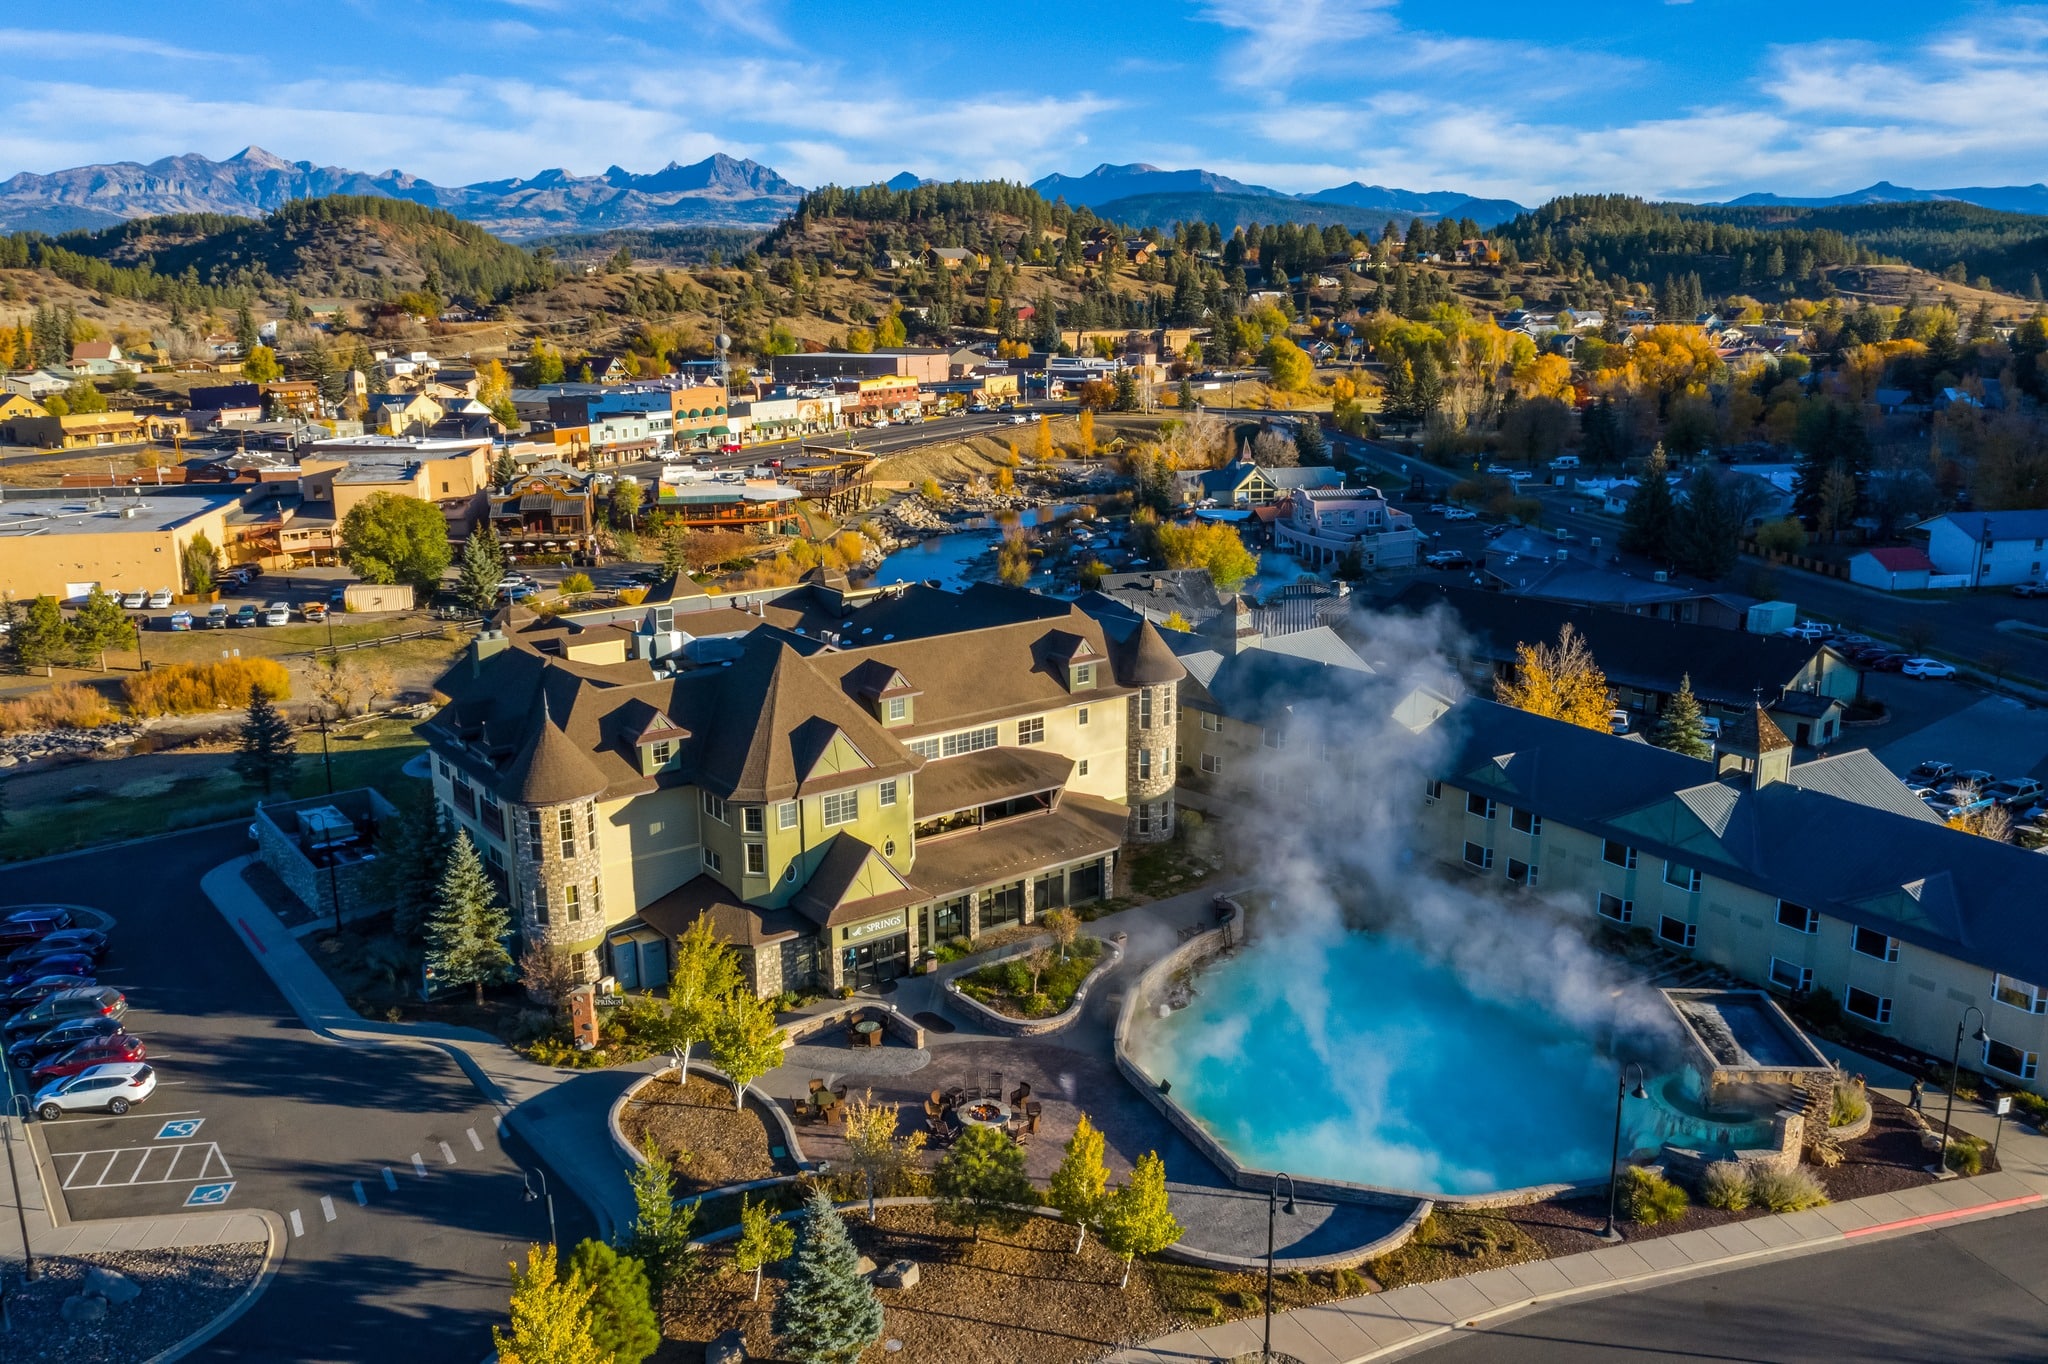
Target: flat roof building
{"points": [[65, 546]]}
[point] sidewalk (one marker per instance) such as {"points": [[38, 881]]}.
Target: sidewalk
{"points": [[1358, 1329], [561, 1114]]}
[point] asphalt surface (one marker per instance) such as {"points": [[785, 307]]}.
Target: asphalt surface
{"points": [[1976, 1292], [403, 1206]]}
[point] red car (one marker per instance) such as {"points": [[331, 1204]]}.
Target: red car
{"points": [[120, 1047]]}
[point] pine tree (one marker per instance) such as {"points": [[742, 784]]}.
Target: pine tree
{"points": [[660, 1237], [481, 570], [99, 625], [763, 1240], [981, 1182], [412, 856], [465, 936], [1079, 1186], [1679, 728], [1646, 525], [1139, 1217], [1704, 529], [1311, 447], [268, 751], [550, 1317], [622, 1320], [42, 635], [829, 1313], [246, 335]]}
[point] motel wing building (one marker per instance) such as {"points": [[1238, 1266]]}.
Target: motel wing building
{"points": [[837, 788]]}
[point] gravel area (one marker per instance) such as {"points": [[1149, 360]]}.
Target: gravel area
{"points": [[697, 1126], [182, 1290]]}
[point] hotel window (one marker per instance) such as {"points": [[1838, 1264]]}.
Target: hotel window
{"points": [[1786, 976], [1144, 763], [1145, 709], [753, 819], [2003, 1056], [714, 806], [1798, 917], [785, 815], [1273, 737], [572, 902], [590, 826], [1213, 724], [1874, 944], [1081, 716], [2018, 994], [565, 826], [1476, 804], [1031, 731], [533, 832], [1210, 765], [1677, 932], [711, 860], [1432, 792], [967, 741], [1685, 878], [888, 792], [1525, 821], [1618, 854], [899, 707], [1081, 768], [925, 748], [842, 807], [1615, 908], [662, 751], [757, 859], [1521, 873], [1865, 1005], [1478, 856], [1144, 819], [540, 907], [1084, 674]]}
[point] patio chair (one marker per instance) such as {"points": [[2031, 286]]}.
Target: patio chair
{"points": [[995, 1086], [1032, 1109], [1020, 1093], [956, 1096]]}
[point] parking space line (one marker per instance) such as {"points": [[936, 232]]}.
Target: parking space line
{"points": [[84, 1172], [419, 1167], [475, 1140], [362, 1199], [298, 1227], [125, 1117], [327, 1207], [447, 1153], [390, 1180]]}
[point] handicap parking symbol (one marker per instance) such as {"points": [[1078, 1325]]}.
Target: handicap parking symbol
{"points": [[209, 1195], [179, 1127]]}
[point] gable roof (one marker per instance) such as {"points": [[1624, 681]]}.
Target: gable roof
{"points": [[1905, 559], [1997, 525]]}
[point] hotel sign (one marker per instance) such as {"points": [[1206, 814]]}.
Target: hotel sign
{"points": [[874, 926]]}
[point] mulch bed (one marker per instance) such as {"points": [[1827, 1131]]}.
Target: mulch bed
{"points": [[1016, 1297], [698, 1128]]}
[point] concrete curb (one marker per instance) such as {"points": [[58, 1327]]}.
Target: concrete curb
{"points": [[264, 1275], [179, 832], [634, 1156], [1003, 1025]]}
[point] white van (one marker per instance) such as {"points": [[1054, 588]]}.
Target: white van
{"points": [[1565, 462]]}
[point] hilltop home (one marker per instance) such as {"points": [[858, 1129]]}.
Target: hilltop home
{"points": [[1798, 877], [837, 783]]}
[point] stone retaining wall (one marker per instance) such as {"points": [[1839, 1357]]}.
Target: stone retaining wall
{"points": [[892, 1019], [1004, 1024], [776, 1115]]}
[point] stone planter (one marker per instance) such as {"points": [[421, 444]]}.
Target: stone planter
{"points": [[1007, 1026]]}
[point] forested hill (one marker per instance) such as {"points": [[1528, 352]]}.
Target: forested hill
{"points": [[1616, 235], [2009, 249]]}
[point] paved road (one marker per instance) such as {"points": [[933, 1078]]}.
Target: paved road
{"points": [[1973, 1292], [404, 1266]]}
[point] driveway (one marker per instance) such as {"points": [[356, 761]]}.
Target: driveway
{"points": [[402, 1203], [1957, 724]]}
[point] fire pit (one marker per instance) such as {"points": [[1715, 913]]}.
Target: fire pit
{"points": [[985, 1113]]}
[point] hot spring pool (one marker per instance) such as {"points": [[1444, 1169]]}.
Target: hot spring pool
{"points": [[1368, 1062]]}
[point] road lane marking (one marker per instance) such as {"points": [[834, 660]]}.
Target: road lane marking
{"points": [[390, 1180], [298, 1227], [447, 1153], [362, 1199], [475, 1140], [419, 1167], [126, 1117], [327, 1207]]}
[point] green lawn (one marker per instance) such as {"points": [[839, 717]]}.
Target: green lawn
{"points": [[368, 755]]}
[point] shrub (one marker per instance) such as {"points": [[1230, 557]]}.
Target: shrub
{"points": [[1726, 1186], [1649, 1198], [67, 705], [577, 582], [632, 596], [189, 688], [2032, 1105], [1965, 1154], [1847, 1105], [1785, 1190]]}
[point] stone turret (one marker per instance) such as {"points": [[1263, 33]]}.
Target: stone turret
{"points": [[1144, 662], [550, 796]]}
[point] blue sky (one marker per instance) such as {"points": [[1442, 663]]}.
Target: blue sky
{"points": [[1703, 98]]}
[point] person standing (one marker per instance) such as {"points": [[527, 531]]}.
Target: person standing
{"points": [[1919, 1092]]}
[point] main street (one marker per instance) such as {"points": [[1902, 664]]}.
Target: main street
{"points": [[403, 1205]]}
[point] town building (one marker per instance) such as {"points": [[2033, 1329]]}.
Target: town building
{"points": [[1902, 568], [1989, 549], [73, 430], [927, 366], [727, 500], [64, 545], [545, 513], [1242, 483], [1327, 527], [837, 783]]}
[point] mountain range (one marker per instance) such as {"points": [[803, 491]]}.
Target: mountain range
{"points": [[717, 191], [2005, 198], [1140, 194]]}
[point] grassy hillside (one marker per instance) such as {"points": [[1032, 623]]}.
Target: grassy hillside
{"points": [[2008, 249]]}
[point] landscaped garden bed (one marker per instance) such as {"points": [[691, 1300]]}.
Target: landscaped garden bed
{"points": [[1023, 988], [710, 1143]]}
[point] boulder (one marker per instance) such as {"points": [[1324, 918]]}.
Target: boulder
{"points": [[901, 1274], [729, 1348], [83, 1310], [116, 1288], [864, 1266]]}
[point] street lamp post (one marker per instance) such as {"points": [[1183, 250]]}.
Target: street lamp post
{"points": [[531, 1197], [1273, 1208], [17, 1105], [1955, 1071], [1621, 1091]]}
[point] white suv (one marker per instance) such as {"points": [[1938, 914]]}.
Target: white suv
{"points": [[115, 1087]]}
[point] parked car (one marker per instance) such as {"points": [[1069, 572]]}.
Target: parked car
{"points": [[101, 1051], [338, 597], [2030, 589], [1889, 661], [217, 616], [33, 925], [134, 601], [1520, 476], [1438, 508], [1019, 419], [115, 1088], [1961, 800], [1496, 531], [1617, 721], [1498, 470], [85, 1001], [315, 612], [56, 964], [89, 941], [181, 620], [1930, 773], [977, 407], [1449, 558], [248, 615], [1461, 514], [2015, 793], [731, 447], [1804, 630], [63, 1037], [1926, 667], [160, 598], [13, 999], [278, 613]]}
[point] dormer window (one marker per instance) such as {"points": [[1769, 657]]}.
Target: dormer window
{"points": [[661, 750], [897, 709], [1084, 675]]}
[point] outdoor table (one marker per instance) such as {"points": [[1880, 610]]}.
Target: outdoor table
{"points": [[868, 1029], [984, 1113]]}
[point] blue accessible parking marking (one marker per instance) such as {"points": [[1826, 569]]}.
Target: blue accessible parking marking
{"points": [[181, 1127], [209, 1195]]}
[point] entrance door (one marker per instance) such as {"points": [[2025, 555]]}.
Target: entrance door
{"points": [[871, 963]]}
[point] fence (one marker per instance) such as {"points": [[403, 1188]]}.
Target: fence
{"points": [[436, 632]]}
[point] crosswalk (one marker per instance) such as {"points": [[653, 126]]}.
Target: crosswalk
{"points": [[359, 1190]]}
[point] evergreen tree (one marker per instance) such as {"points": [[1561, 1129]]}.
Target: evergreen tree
{"points": [[622, 1320], [981, 1182], [42, 635], [1079, 1187], [1311, 447], [1126, 399], [503, 469], [465, 936], [246, 335], [268, 752], [660, 1238], [829, 1313], [1185, 395], [99, 625], [1705, 528], [412, 856], [1139, 1217], [1679, 728], [481, 570], [1646, 525]]}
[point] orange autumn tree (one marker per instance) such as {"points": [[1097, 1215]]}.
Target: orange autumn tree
{"points": [[1559, 680]]}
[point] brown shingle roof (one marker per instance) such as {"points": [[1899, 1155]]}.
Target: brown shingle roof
{"points": [[1081, 827], [853, 882], [1145, 661], [550, 770], [734, 921], [991, 775]]}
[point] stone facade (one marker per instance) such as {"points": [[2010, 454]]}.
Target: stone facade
{"points": [[556, 879], [1149, 762]]}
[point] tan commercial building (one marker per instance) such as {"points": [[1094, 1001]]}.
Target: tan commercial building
{"points": [[64, 547], [348, 469]]}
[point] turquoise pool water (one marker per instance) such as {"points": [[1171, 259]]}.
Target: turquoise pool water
{"points": [[1364, 1060]]}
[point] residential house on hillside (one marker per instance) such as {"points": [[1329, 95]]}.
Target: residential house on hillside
{"points": [[402, 414], [1989, 549], [837, 784], [955, 258]]}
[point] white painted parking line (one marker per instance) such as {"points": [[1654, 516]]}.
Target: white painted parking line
{"points": [[390, 1180], [298, 1227], [128, 1117], [447, 1153], [327, 1207], [475, 1140], [419, 1167], [362, 1199], [191, 1162]]}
